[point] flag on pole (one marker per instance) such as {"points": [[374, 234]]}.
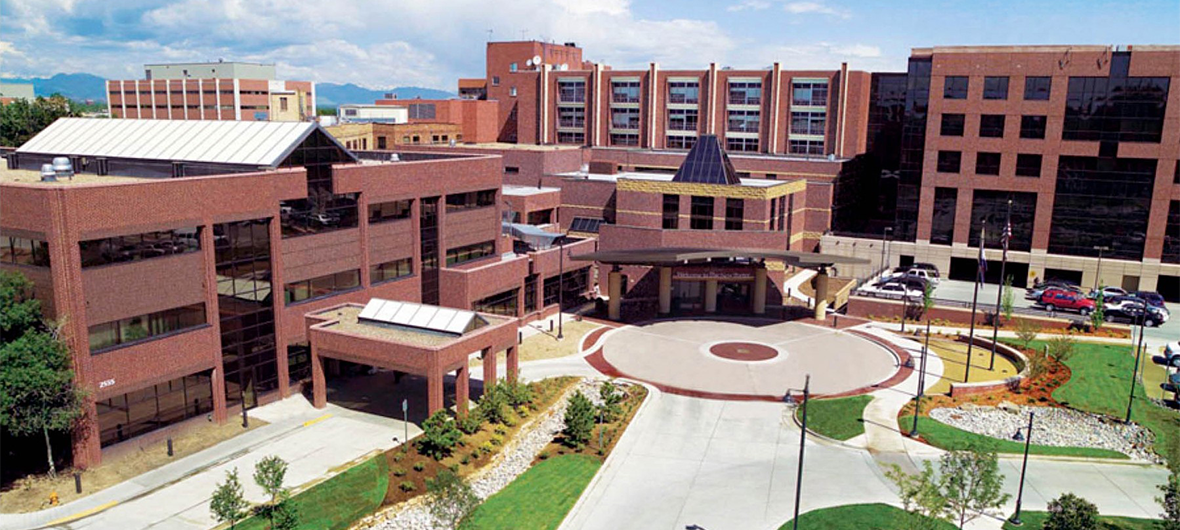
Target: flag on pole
{"points": [[982, 262], [1006, 236]]}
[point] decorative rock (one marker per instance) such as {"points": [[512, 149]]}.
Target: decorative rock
{"points": [[1009, 407], [1058, 427]]}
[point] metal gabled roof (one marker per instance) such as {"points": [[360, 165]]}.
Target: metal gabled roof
{"points": [[245, 143]]}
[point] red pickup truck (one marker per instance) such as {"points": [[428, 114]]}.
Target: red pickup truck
{"points": [[1054, 299]]}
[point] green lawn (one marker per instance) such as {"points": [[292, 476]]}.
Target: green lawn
{"points": [[840, 418], [1036, 519], [950, 438], [339, 501], [538, 499], [858, 517], [1100, 383]]}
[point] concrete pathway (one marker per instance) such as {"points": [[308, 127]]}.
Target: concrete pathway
{"points": [[312, 441], [792, 285]]}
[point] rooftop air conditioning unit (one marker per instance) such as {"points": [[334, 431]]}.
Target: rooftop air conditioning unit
{"points": [[62, 167], [47, 173]]}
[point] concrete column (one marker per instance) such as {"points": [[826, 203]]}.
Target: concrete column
{"points": [[462, 390], [513, 364], [821, 294], [489, 367], [759, 291], [665, 290], [434, 392], [614, 290], [710, 296], [319, 392]]}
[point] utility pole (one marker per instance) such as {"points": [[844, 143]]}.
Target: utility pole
{"points": [[802, 443], [1015, 519], [1098, 274]]}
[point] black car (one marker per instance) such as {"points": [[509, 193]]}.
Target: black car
{"points": [[1130, 314], [1152, 297]]}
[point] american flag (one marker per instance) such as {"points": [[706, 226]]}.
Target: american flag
{"points": [[1006, 236], [982, 262]]}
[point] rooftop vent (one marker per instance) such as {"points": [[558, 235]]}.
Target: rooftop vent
{"points": [[47, 173], [62, 167]]}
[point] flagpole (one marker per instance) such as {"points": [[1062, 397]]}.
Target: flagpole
{"points": [[974, 303], [1005, 236]]}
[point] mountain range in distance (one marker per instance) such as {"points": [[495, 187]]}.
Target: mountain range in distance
{"points": [[82, 87]]}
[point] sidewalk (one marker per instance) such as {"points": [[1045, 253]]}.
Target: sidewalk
{"points": [[312, 441]]}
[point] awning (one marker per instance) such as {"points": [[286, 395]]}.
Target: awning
{"points": [[535, 237], [680, 256]]}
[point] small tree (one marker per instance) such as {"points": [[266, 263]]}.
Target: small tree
{"points": [[452, 498], [1061, 348], [1007, 300], [579, 420], [1170, 519], [517, 394], [1070, 512], [269, 474], [1038, 364], [37, 390], [927, 298], [610, 396], [1027, 331], [1098, 315], [971, 482], [439, 435], [921, 497], [494, 403], [228, 502], [284, 515], [471, 422]]}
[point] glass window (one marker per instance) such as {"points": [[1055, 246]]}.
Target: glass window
{"points": [[624, 139], [681, 142], [460, 255], [949, 161], [702, 213], [391, 270], [671, 214], [498, 304], [995, 87], [682, 119], [136, 247], [472, 199], [1120, 109], [1171, 252], [806, 147], [390, 211], [1032, 127], [568, 137], [1028, 165], [744, 121], [624, 118], [991, 126], [734, 213], [745, 93], [140, 327], [683, 92], [571, 91], [1101, 202], [952, 124], [955, 87], [813, 94], [942, 227], [987, 163], [811, 123], [571, 117], [541, 217], [567, 288], [1037, 88], [989, 210], [145, 410], [322, 286], [624, 92], [741, 144]]}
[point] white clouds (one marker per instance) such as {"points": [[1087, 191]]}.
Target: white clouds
{"points": [[753, 5], [827, 56], [820, 8]]}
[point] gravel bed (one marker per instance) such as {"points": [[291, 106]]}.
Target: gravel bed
{"points": [[1058, 427], [515, 459]]}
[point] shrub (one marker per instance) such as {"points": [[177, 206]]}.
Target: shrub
{"points": [[494, 403], [487, 448], [579, 420], [543, 455], [475, 454], [501, 430], [465, 460], [1026, 331], [1061, 348], [419, 466], [610, 395], [471, 423], [1070, 512], [407, 486], [452, 498], [518, 394], [398, 472], [454, 468], [439, 436], [496, 440]]}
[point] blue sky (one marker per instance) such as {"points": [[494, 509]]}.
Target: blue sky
{"points": [[387, 43]]}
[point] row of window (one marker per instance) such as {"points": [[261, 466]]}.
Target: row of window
{"points": [[996, 87], [987, 163], [23, 251], [136, 247], [391, 270], [322, 286], [145, 410], [472, 199], [804, 93], [380, 212], [992, 126], [459, 255], [498, 304], [110, 334], [701, 213]]}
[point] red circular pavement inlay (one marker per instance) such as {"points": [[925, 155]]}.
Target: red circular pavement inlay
{"points": [[743, 351]]}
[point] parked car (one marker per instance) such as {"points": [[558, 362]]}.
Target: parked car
{"points": [[1130, 310], [890, 287], [1108, 292], [1037, 290], [1172, 353], [325, 219], [1153, 298], [1054, 299], [911, 281]]}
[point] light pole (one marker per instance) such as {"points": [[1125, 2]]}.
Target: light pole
{"points": [[1015, 519], [1135, 370], [560, 282], [1005, 236], [802, 442], [1098, 275], [921, 382]]}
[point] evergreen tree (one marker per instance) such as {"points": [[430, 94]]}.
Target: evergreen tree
{"points": [[579, 420]]}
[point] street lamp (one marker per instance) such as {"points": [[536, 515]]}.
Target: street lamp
{"points": [[1135, 370], [1098, 275], [802, 442], [1015, 519], [921, 381]]}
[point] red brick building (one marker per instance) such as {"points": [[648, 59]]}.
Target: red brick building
{"points": [[211, 91]]}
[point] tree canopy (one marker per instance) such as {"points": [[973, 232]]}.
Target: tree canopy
{"points": [[23, 119]]}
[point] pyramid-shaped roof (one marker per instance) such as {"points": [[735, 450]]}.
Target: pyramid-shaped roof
{"points": [[707, 163]]}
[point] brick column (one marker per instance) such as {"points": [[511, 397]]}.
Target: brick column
{"points": [[760, 291], [513, 364], [434, 391], [665, 290], [462, 390], [319, 392], [489, 367], [710, 296], [821, 294], [614, 290]]}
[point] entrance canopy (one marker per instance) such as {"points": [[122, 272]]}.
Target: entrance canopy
{"points": [[680, 256]]}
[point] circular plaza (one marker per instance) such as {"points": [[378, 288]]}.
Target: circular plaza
{"points": [[747, 359]]}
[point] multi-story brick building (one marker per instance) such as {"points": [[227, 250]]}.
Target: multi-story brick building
{"points": [[195, 304], [211, 91]]}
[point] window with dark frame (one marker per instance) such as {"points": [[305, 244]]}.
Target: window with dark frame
{"points": [[322, 286], [1028, 165], [987, 163], [1037, 88], [380, 212], [955, 87], [734, 213], [1033, 127], [991, 126], [995, 87], [701, 213], [24, 251], [671, 214], [142, 327], [949, 161], [466, 253], [391, 270], [953, 124]]}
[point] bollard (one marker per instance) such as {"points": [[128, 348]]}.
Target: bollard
{"points": [[550, 326], [835, 320], [77, 482], [169, 446], [520, 337]]}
